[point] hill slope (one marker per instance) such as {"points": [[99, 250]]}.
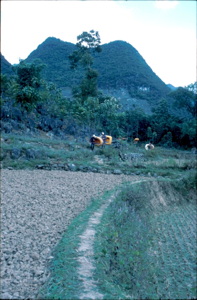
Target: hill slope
{"points": [[54, 53], [119, 66], [6, 67]]}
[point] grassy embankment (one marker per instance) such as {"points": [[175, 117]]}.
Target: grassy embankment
{"points": [[146, 244], [54, 153]]}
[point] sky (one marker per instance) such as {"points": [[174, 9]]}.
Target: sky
{"points": [[163, 32]]}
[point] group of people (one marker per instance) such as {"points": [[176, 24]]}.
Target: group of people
{"points": [[148, 146], [94, 139]]}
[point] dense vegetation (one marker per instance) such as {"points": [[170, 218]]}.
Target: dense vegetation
{"points": [[6, 67], [118, 65], [54, 53], [30, 98]]}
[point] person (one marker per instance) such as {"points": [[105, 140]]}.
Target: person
{"points": [[92, 141], [103, 136], [136, 140], [149, 146]]}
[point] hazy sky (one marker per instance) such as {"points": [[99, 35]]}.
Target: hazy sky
{"points": [[163, 32]]}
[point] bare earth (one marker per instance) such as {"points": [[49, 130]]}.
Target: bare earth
{"points": [[36, 208]]}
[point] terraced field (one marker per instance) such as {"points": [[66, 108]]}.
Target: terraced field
{"points": [[174, 252], [156, 257]]}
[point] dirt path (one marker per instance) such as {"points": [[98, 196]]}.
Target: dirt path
{"points": [[86, 255], [36, 208]]}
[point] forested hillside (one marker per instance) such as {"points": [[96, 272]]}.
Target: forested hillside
{"points": [[54, 53], [114, 91], [6, 67], [119, 65]]}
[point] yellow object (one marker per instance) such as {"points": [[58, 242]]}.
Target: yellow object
{"points": [[98, 141], [108, 140], [136, 139]]}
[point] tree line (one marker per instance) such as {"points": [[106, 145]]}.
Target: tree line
{"points": [[90, 111]]}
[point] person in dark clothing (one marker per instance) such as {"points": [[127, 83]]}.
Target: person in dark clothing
{"points": [[92, 141], [103, 136]]}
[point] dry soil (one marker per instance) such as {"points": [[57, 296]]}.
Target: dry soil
{"points": [[36, 208]]}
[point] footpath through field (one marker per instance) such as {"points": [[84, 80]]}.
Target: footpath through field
{"points": [[171, 256], [86, 253]]}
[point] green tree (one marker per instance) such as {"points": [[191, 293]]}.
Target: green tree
{"points": [[192, 87], [90, 40], [167, 139], [161, 119], [185, 97], [29, 83], [189, 129], [149, 133], [4, 85], [52, 100], [88, 43], [88, 85], [108, 114], [135, 124], [154, 138]]}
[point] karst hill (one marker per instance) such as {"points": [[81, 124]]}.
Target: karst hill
{"points": [[123, 72], [119, 66]]}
